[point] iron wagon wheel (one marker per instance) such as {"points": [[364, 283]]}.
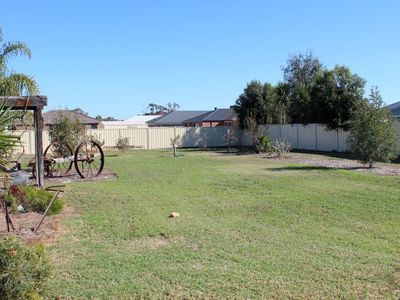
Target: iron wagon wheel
{"points": [[57, 160], [89, 159]]}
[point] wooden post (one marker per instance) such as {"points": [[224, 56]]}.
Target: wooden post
{"points": [[39, 146]]}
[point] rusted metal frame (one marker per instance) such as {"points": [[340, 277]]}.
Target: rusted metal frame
{"points": [[7, 216], [58, 191]]}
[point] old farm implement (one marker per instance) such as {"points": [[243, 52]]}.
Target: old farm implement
{"points": [[58, 158]]}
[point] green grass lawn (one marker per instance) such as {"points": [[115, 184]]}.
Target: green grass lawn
{"points": [[249, 228]]}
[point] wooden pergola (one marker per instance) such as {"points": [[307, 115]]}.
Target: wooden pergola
{"points": [[35, 104]]}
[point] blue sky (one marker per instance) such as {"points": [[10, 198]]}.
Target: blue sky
{"points": [[114, 57]]}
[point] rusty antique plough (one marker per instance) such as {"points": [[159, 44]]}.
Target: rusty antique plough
{"points": [[58, 158]]}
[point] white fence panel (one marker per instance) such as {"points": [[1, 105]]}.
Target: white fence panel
{"points": [[274, 132], [305, 137], [160, 137], [289, 133], [327, 140], [343, 146]]}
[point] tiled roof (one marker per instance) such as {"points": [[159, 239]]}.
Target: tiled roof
{"points": [[51, 117]]}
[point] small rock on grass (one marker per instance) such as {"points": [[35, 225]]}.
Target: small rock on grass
{"points": [[174, 214]]}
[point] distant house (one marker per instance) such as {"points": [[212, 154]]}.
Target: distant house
{"points": [[175, 118], [395, 109], [134, 122], [52, 116], [214, 118]]}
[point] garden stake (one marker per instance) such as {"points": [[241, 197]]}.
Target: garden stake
{"points": [[47, 209], [8, 219]]}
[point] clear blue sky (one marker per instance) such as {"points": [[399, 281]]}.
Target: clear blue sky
{"points": [[114, 57]]}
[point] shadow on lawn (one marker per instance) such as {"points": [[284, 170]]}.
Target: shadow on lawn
{"points": [[314, 168]]}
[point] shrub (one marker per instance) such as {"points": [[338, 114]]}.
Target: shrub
{"points": [[24, 270], [122, 143], [32, 199], [96, 138], [230, 138], [374, 135], [66, 130], [280, 147], [265, 144], [174, 142], [38, 200]]}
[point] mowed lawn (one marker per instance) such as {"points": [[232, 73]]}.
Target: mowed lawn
{"points": [[249, 228]]}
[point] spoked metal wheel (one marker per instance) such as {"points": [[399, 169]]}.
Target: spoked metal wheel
{"points": [[89, 159], [58, 158]]}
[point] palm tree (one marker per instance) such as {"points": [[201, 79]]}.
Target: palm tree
{"points": [[14, 84]]}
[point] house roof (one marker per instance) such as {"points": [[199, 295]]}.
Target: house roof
{"points": [[394, 108], [52, 116], [198, 118], [217, 115], [176, 118], [138, 120], [220, 114]]}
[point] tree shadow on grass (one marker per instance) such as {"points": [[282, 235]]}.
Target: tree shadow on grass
{"points": [[313, 168]]}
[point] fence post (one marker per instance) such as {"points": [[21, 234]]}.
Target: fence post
{"points": [[280, 131], [297, 136]]}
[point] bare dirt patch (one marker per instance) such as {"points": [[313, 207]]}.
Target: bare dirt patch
{"points": [[25, 223], [74, 177]]}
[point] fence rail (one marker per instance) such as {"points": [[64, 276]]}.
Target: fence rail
{"points": [[305, 137]]}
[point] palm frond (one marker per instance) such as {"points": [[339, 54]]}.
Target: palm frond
{"points": [[18, 84], [13, 49], [7, 140]]}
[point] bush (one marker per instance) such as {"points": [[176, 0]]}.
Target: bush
{"points": [[122, 144], [265, 144], [374, 135], [24, 270], [96, 138], [33, 199], [66, 130], [280, 147]]}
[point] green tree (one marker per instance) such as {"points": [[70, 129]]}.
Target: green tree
{"points": [[258, 102], [156, 109], [14, 84], [300, 74], [336, 95], [374, 135], [281, 103]]}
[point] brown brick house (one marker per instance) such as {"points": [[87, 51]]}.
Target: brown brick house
{"points": [[51, 117]]}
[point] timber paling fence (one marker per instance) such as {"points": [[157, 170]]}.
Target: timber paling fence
{"points": [[303, 137]]}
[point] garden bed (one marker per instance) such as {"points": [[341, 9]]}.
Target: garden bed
{"points": [[25, 223]]}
